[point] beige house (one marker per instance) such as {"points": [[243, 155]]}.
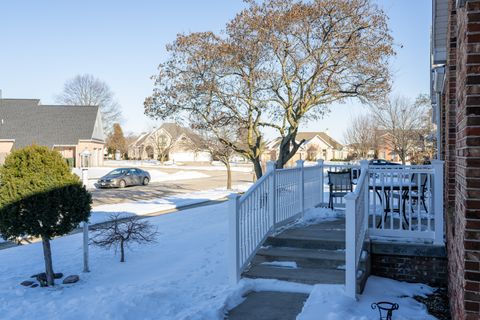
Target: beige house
{"points": [[169, 142], [75, 131], [317, 145]]}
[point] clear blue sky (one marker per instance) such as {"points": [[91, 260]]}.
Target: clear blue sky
{"points": [[43, 43]]}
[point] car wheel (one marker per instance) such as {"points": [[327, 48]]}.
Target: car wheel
{"points": [[122, 184], [145, 181]]}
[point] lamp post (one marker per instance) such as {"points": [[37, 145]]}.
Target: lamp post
{"points": [[84, 155]]}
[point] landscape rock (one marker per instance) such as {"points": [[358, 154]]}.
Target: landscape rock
{"points": [[34, 285], [71, 279], [58, 275], [41, 278], [27, 283]]}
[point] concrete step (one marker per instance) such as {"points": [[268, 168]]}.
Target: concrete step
{"points": [[329, 235], [300, 275], [330, 240], [304, 258]]}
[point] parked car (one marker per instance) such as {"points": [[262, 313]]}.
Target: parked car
{"points": [[382, 162], [122, 177]]}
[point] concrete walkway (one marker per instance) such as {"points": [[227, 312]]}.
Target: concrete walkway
{"points": [[269, 305]]}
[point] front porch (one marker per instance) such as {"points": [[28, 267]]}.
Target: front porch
{"points": [[401, 206]]}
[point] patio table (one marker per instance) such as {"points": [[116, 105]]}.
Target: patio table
{"points": [[390, 186]]}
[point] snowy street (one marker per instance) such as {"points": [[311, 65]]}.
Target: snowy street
{"points": [[165, 182]]}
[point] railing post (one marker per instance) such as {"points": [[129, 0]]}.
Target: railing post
{"points": [[301, 184], [322, 181], [272, 194], [364, 167], [438, 201], [350, 246], [234, 238]]}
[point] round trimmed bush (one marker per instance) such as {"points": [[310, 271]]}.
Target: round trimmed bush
{"points": [[41, 197]]}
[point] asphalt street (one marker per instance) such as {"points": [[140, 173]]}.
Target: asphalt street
{"points": [[215, 179]]}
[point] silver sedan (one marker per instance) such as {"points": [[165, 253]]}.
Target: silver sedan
{"points": [[122, 177]]}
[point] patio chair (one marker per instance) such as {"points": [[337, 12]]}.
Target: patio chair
{"points": [[419, 193], [339, 183]]}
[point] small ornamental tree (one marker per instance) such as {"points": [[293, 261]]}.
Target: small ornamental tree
{"points": [[120, 232], [40, 197]]}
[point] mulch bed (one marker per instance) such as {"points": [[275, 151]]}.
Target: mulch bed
{"points": [[437, 304]]}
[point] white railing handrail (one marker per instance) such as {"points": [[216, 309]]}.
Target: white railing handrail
{"points": [[253, 216], [255, 186], [356, 223]]}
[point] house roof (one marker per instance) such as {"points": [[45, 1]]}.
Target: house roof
{"points": [[175, 131], [28, 122], [322, 135], [309, 136]]}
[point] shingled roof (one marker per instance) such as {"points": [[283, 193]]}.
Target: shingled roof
{"points": [[28, 122], [324, 136], [309, 136], [175, 131]]}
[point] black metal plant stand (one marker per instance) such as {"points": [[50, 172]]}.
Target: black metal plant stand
{"points": [[385, 309]]}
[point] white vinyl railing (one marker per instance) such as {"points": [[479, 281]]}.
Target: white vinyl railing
{"points": [[401, 202], [407, 201], [356, 225], [278, 197]]}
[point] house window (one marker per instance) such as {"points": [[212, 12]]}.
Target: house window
{"points": [[163, 140]]}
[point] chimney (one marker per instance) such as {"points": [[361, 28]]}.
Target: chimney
{"points": [[327, 132]]}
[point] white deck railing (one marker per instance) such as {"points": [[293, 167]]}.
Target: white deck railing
{"points": [[278, 197], [401, 202], [356, 224]]}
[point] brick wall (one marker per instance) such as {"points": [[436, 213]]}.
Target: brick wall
{"points": [[462, 183], [428, 270]]}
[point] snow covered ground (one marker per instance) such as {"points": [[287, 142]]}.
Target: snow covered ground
{"points": [[182, 276], [156, 175]]}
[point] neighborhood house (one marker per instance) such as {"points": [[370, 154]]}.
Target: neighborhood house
{"points": [[317, 145], [75, 131], [169, 142]]}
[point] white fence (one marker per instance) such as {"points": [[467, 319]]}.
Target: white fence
{"points": [[278, 197], [356, 224], [402, 202]]}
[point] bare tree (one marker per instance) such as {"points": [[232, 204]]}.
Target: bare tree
{"points": [[86, 90], [278, 64], [360, 135], [122, 231], [319, 52], [219, 151], [212, 83], [403, 122]]}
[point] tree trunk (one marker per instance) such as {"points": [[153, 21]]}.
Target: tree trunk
{"points": [[47, 256], [257, 166], [229, 175], [283, 155], [122, 252]]}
